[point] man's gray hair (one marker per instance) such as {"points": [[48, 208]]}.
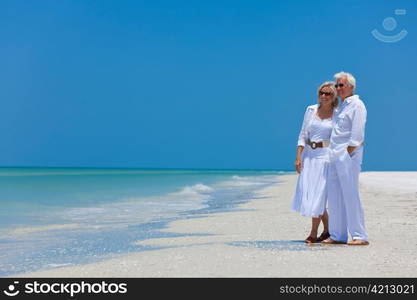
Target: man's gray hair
{"points": [[349, 77]]}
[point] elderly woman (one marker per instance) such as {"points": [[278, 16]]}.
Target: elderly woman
{"points": [[312, 161]]}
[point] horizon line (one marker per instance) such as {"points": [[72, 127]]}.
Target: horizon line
{"points": [[141, 168]]}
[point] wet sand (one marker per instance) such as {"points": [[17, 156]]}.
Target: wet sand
{"points": [[264, 238]]}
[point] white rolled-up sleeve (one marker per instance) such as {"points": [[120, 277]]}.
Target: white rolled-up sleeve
{"points": [[358, 126], [303, 135]]}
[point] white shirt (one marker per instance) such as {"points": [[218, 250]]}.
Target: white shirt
{"points": [[349, 127], [320, 130], [313, 128]]}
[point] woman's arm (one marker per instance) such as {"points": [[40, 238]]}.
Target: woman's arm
{"points": [[298, 159], [301, 141], [302, 136]]}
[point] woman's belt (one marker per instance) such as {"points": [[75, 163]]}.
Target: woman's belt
{"points": [[315, 145]]}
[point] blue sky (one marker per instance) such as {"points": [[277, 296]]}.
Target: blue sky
{"points": [[196, 84]]}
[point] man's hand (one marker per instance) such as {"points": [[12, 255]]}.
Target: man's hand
{"points": [[350, 149], [298, 165]]}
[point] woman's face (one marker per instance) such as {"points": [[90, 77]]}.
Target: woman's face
{"points": [[326, 96]]}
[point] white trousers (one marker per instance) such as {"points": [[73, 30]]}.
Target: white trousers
{"points": [[344, 205]]}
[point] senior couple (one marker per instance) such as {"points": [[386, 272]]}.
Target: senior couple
{"points": [[329, 157]]}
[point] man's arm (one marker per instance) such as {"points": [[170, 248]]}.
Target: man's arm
{"points": [[358, 128]]}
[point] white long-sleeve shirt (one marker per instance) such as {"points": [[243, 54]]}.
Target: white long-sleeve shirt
{"points": [[303, 136], [349, 127], [310, 130]]}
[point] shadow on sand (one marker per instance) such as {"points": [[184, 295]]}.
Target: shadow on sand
{"points": [[291, 245]]}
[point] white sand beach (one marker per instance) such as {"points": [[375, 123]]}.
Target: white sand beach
{"points": [[264, 238]]}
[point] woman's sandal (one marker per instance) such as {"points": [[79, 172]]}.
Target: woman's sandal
{"points": [[323, 236], [310, 240]]}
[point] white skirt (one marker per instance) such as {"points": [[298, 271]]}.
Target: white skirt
{"points": [[310, 197]]}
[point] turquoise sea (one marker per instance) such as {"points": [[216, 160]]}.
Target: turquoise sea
{"points": [[53, 217]]}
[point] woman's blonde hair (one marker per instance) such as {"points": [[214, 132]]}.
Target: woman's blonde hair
{"points": [[331, 85]]}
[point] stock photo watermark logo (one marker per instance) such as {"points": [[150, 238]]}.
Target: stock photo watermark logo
{"points": [[65, 288], [11, 290], [389, 24]]}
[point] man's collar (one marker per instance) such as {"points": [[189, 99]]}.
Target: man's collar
{"points": [[350, 99]]}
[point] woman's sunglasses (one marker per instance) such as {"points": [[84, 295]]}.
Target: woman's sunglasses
{"points": [[325, 93]]}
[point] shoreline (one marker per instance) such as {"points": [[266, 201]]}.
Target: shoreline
{"points": [[264, 238]]}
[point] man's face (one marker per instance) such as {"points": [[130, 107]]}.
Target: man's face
{"points": [[344, 89]]}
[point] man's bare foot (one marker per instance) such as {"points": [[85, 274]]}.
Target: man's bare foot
{"points": [[358, 242], [329, 241]]}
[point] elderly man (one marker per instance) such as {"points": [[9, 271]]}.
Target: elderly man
{"points": [[346, 149]]}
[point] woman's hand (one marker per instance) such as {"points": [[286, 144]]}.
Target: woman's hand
{"points": [[298, 165], [298, 158]]}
